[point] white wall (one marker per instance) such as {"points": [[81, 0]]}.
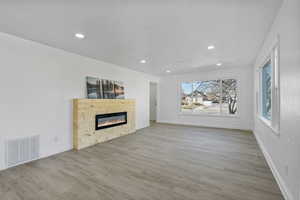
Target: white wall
{"points": [[169, 99], [283, 151], [153, 101], [38, 83]]}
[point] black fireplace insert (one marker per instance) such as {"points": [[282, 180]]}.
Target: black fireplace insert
{"points": [[110, 120]]}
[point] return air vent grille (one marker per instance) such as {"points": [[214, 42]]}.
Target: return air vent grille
{"points": [[22, 150]]}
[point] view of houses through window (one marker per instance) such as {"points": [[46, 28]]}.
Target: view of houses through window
{"points": [[211, 97]]}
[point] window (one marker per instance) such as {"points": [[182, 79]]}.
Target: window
{"points": [[269, 90], [229, 99], [210, 97]]}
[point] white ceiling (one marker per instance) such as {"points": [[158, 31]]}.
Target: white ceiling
{"points": [[169, 34]]}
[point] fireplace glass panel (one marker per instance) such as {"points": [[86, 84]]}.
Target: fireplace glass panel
{"points": [[110, 120]]}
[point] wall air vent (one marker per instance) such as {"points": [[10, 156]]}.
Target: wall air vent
{"points": [[21, 150]]}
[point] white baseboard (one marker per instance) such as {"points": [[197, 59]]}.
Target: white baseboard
{"points": [[202, 126], [3, 167], [282, 185], [42, 156]]}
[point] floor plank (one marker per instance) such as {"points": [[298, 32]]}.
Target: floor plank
{"points": [[169, 162]]}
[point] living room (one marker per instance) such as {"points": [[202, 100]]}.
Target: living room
{"points": [[150, 99]]}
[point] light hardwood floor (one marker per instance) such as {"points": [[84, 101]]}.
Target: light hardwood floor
{"points": [[162, 162]]}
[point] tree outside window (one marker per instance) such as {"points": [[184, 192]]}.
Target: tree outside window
{"points": [[266, 80], [211, 97]]}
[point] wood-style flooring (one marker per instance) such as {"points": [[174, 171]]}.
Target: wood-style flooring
{"points": [[162, 162]]}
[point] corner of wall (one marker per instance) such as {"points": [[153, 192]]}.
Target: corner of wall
{"points": [[2, 156]]}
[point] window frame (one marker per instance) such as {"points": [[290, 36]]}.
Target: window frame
{"points": [[204, 114], [273, 57], [266, 120]]}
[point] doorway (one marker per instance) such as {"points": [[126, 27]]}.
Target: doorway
{"points": [[153, 102]]}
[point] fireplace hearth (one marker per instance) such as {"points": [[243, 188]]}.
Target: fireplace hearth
{"points": [[108, 120]]}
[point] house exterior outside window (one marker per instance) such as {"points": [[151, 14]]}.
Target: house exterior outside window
{"points": [[214, 97]]}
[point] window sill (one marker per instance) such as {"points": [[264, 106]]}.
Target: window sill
{"points": [[208, 115], [268, 124]]}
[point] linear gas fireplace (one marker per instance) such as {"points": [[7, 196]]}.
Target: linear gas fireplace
{"points": [[110, 120]]}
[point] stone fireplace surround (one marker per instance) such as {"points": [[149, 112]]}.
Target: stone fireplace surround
{"points": [[85, 112]]}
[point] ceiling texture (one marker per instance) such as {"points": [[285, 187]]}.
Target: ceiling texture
{"points": [[168, 34]]}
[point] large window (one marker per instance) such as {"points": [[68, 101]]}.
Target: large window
{"points": [[269, 90], [210, 97]]}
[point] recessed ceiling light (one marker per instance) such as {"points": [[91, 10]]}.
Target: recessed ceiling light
{"points": [[210, 47], [219, 64], [79, 35], [143, 61], [168, 71]]}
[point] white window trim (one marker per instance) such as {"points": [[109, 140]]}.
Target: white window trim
{"points": [[274, 123], [208, 115], [237, 115]]}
